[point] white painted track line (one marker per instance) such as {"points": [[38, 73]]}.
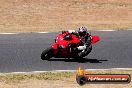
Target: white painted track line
{"points": [[21, 33], [49, 32], [8, 33], [42, 32], [106, 30], [54, 71]]}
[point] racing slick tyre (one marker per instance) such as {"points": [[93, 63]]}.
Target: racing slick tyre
{"points": [[81, 80], [47, 54], [86, 52]]}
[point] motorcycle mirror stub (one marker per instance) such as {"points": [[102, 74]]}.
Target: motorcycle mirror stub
{"points": [[71, 31]]}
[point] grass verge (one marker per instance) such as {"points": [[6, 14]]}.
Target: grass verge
{"points": [[18, 77], [56, 80]]}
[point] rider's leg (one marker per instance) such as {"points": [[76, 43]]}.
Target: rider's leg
{"points": [[81, 47]]}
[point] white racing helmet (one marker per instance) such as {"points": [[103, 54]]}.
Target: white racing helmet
{"points": [[82, 31]]}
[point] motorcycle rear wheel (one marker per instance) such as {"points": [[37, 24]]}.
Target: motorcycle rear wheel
{"points": [[47, 54]]}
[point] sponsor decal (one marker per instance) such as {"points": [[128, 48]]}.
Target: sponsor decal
{"points": [[83, 78]]}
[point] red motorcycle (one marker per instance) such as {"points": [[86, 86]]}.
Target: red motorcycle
{"points": [[65, 47]]}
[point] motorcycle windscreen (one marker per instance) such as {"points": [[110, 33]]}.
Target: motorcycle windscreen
{"points": [[95, 39]]}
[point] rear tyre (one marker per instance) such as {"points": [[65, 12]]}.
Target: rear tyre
{"points": [[47, 54]]}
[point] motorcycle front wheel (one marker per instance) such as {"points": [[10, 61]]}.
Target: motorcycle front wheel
{"points": [[47, 54]]}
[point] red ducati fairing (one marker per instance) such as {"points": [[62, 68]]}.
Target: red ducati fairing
{"points": [[63, 43]]}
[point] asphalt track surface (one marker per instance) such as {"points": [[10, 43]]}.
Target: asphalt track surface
{"points": [[21, 52]]}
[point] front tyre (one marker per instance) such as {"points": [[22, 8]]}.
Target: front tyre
{"points": [[47, 54]]}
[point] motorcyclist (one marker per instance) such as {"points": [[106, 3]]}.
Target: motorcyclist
{"points": [[84, 36]]}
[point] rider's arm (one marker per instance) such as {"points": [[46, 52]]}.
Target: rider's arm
{"points": [[88, 39]]}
